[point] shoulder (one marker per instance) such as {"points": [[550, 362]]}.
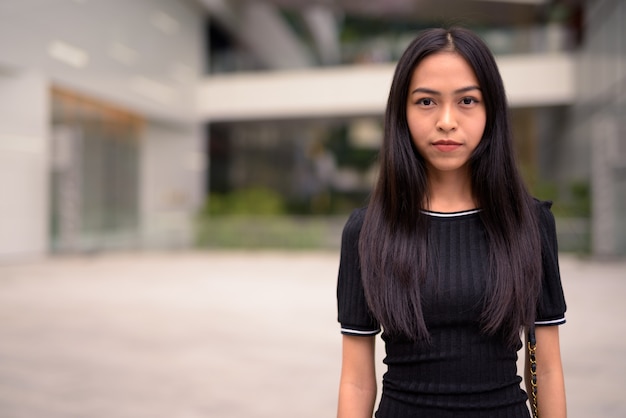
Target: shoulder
{"points": [[355, 222], [352, 232], [542, 205], [543, 209], [547, 227]]}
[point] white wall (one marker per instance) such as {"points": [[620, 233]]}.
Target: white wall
{"points": [[24, 126], [172, 181]]}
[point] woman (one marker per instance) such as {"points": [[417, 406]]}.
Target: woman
{"points": [[452, 257]]}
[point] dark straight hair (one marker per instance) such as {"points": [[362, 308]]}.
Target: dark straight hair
{"points": [[394, 238]]}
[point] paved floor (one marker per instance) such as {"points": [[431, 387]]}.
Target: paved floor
{"points": [[232, 335]]}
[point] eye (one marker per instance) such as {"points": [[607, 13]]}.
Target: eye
{"points": [[468, 101], [425, 102]]}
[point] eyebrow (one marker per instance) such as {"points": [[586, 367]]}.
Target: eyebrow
{"points": [[435, 92]]}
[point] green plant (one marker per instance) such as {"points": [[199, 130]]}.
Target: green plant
{"points": [[251, 201]]}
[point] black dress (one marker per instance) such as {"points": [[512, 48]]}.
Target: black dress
{"points": [[462, 372]]}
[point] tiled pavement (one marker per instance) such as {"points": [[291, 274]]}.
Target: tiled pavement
{"points": [[233, 335]]}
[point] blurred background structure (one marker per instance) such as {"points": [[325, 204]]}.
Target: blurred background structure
{"points": [[168, 124]]}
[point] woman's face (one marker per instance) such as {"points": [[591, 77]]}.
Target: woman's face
{"points": [[445, 112]]}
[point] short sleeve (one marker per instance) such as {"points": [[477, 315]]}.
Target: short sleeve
{"points": [[354, 314], [551, 306]]}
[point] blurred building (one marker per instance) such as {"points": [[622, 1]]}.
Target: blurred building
{"points": [[118, 118], [100, 143]]}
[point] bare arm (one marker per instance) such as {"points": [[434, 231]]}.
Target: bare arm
{"points": [[550, 381], [357, 386]]}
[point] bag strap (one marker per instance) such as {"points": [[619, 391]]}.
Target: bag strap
{"points": [[532, 347]]}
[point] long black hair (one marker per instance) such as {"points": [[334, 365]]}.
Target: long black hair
{"points": [[393, 242]]}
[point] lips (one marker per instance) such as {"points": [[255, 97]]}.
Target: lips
{"points": [[446, 145]]}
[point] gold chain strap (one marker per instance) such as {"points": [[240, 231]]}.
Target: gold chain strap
{"points": [[532, 347]]}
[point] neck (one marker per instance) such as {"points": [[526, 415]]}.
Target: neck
{"points": [[450, 192]]}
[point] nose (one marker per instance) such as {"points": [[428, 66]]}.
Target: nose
{"points": [[446, 121]]}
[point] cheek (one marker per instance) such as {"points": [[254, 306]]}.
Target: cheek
{"points": [[478, 128], [416, 130]]}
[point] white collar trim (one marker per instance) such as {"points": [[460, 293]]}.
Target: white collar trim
{"points": [[450, 214]]}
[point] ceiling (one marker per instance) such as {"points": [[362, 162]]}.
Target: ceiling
{"points": [[491, 12]]}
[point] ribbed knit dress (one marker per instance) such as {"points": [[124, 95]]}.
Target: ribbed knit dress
{"points": [[462, 372]]}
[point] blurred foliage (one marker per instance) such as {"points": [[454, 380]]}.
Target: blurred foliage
{"points": [[260, 218], [326, 203], [251, 232], [255, 201], [263, 202]]}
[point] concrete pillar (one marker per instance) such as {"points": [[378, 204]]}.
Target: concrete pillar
{"points": [[24, 114]]}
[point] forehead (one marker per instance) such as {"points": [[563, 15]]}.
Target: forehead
{"points": [[443, 69]]}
